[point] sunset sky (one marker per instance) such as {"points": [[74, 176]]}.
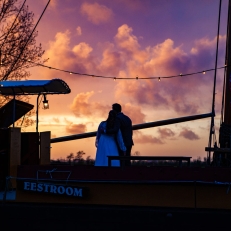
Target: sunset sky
{"points": [[129, 39]]}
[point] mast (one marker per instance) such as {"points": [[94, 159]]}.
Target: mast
{"points": [[225, 127], [227, 106]]}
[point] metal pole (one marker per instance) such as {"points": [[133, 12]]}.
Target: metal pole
{"points": [[227, 80], [37, 112], [14, 111], [135, 127], [214, 87]]}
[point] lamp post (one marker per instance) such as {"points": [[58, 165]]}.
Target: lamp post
{"points": [[45, 106]]}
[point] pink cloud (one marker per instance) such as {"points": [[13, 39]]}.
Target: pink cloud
{"points": [[125, 39], [139, 137], [127, 58], [188, 134], [166, 133], [76, 128], [81, 106], [134, 112], [82, 50], [66, 57], [111, 61], [165, 60], [96, 13]]}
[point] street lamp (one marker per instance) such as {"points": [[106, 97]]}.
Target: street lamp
{"points": [[45, 106]]}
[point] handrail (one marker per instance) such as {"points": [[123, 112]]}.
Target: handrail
{"points": [[136, 127]]}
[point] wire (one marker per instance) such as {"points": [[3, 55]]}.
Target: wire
{"points": [[126, 78]]}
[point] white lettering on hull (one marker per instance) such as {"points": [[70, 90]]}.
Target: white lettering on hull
{"points": [[54, 189]]}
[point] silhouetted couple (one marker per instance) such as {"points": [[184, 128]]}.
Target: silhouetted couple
{"points": [[114, 137]]}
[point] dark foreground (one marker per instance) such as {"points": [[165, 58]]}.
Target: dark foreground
{"points": [[22, 216]]}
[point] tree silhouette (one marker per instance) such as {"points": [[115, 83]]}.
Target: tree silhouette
{"points": [[70, 157], [18, 49], [79, 156]]}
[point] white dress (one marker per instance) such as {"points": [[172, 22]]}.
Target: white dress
{"points": [[106, 146]]}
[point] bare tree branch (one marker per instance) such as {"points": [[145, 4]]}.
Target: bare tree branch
{"points": [[17, 44]]}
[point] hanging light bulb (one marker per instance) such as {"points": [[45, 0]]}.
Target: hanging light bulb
{"points": [[159, 79], [114, 79], [45, 103], [204, 72], [70, 73]]}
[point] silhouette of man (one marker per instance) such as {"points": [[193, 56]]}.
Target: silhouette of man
{"points": [[123, 123]]}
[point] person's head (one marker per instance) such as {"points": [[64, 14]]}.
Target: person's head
{"points": [[111, 119], [116, 107]]}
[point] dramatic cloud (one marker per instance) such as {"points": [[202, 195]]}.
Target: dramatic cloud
{"points": [[63, 56], [58, 50], [82, 50], [111, 61], [76, 128], [83, 107], [134, 112], [166, 133], [139, 137], [96, 13], [188, 134], [165, 59], [125, 39], [126, 58]]}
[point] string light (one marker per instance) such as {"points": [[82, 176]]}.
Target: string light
{"points": [[126, 78], [129, 78]]}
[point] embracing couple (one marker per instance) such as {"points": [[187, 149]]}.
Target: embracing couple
{"points": [[114, 137]]}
